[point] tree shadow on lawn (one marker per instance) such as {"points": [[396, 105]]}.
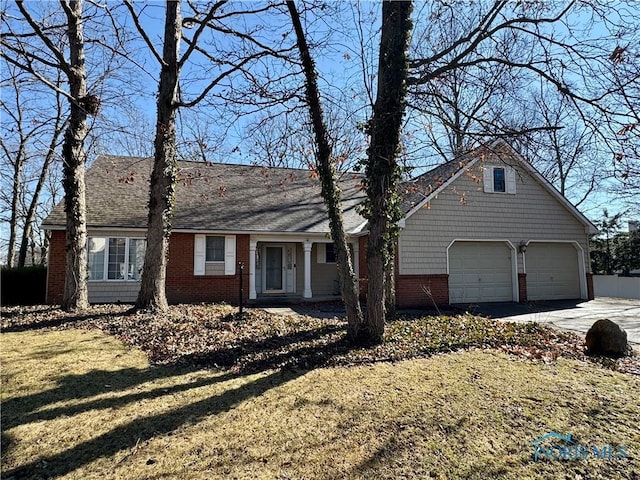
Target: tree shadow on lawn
{"points": [[60, 318], [27, 409], [300, 349], [143, 429]]}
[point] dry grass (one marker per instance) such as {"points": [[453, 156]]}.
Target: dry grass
{"points": [[80, 404]]}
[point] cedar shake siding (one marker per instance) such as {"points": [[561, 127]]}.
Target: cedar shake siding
{"points": [[464, 211]]}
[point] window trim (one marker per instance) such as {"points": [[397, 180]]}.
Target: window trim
{"points": [[509, 179], [105, 272], [200, 254]]}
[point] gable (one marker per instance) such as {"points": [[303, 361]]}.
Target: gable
{"points": [[480, 171]]}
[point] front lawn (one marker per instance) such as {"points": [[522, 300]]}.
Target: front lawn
{"points": [[80, 403]]}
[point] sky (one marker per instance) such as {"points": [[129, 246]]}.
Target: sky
{"points": [[340, 65]]}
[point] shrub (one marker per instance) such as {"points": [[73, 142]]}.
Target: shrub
{"points": [[24, 285]]}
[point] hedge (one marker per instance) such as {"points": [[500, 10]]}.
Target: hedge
{"points": [[24, 285]]}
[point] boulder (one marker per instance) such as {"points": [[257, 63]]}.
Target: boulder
{"points": [[607, 338]]}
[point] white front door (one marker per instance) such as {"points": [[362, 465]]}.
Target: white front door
{"points": [[274, 272]]}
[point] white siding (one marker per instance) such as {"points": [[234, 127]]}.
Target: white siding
{"points": [[114, 291], [464, 211]]}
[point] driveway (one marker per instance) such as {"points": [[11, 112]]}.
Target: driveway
{"points": [[576, 315]]}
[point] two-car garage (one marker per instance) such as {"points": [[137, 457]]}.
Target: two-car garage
{"points": [[486, 271]]}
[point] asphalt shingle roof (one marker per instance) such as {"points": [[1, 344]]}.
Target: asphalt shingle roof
{"points": [[417, 189], [216, 196]]}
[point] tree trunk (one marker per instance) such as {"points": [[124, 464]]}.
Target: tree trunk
{"points": [[331, 193], [75, 286], [390, 286], [15, 195], [152, 295], [31, 212], [383, 172]]}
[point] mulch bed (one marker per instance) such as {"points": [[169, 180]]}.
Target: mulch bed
{"points": [[214, 336]]}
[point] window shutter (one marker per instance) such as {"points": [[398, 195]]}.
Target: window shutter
{"points": [[322, 252], [199, 254], [488, 179], [230, 255], [510, 174]]}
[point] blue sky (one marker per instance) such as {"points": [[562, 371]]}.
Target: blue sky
{"points": [[339, 64]]}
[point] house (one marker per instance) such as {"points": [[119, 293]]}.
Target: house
{"points": [[486, 227]]}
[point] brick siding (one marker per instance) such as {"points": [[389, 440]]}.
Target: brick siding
{"points": [[56, 267], [522, 287], [184, 287], [410, 290]]}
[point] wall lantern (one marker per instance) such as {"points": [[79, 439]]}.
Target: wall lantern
{"points": [[522, 247]]}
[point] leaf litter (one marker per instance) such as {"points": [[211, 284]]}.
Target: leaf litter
{"points": [[215, 336]]}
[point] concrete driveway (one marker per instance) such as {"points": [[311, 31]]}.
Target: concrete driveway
{"points": [[576, 315]]}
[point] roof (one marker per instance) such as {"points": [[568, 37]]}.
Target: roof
{"points": [[419, 188], [245, 198], [214, 197]]}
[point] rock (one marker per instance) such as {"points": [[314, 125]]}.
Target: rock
{"points": [[607, 338]]}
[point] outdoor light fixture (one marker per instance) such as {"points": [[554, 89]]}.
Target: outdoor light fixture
{"points": [[522, 247]]}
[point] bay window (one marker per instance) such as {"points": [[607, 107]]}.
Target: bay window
{"points": [[115, 258]]}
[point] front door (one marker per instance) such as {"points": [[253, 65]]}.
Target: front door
{"points": [[274, 273]]}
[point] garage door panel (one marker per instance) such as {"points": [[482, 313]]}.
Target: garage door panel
{"points": [[480, 272], [552, 271]]}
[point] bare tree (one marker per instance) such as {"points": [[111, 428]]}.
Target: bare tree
{"points": [[330, 189], [49, 54], [579, 49], [286, 139], [220, 66], [564, 149], [462, 106], [33, 121], [383, 171], [58, 123]]}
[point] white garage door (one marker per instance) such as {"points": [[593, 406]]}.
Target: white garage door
{"points": [[552, 271], [480, 272]]}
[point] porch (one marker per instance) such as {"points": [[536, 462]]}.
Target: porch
{"points": [[287, 269]]}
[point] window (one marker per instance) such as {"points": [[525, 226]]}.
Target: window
{"points": [[137, 247], [95, 258], [115, 268], [498, 180], [117, 258], [214, 255], [215, 249], [327, 252]]}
